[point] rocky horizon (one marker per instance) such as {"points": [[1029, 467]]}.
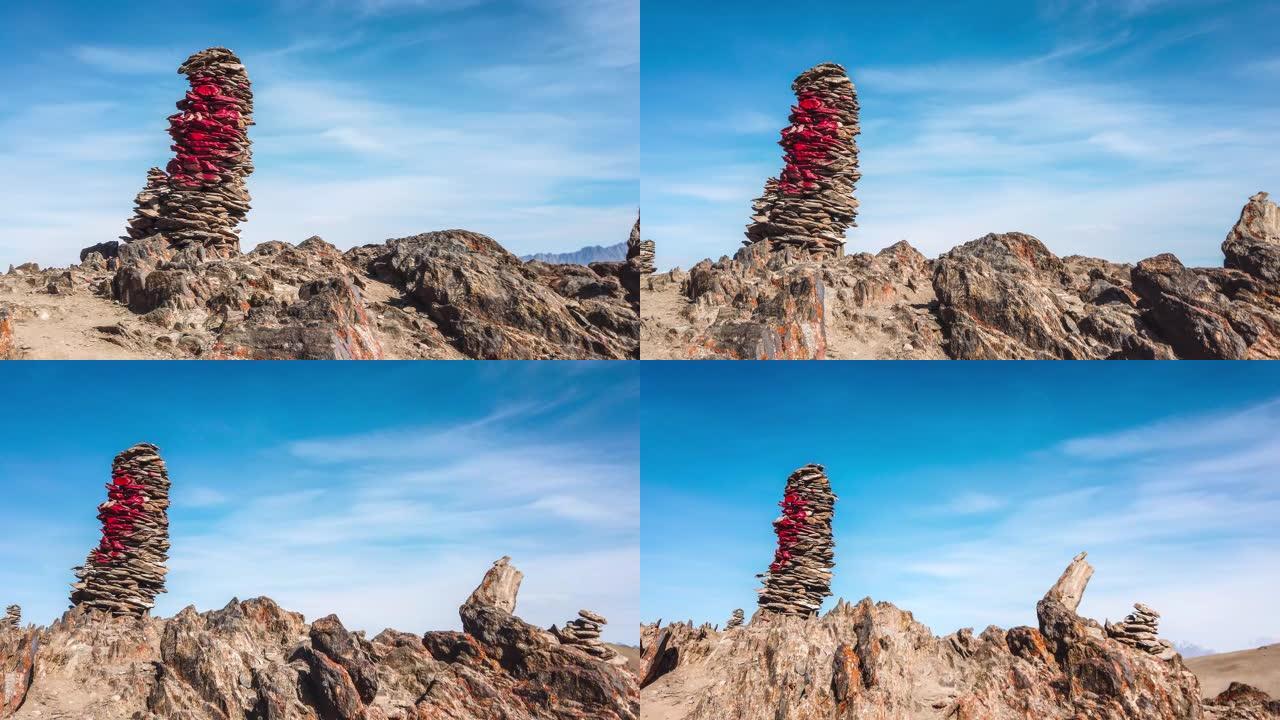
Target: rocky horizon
{"points": [[873, 659], [1002, 296], [255, 659]]}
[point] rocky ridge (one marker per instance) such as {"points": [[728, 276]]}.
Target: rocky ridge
{"points": [[1001, 296], [583, 256], [252, 659], [440, 295], [875, 660]]}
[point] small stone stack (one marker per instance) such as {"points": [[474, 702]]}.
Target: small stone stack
{"points": [[1139, 630], [640, 252], [126, 571], [584, 633], [12, 616], [799, 578], [735, 620], [811, 205], [202, 197]]}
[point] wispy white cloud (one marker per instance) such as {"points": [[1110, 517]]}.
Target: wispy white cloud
{"points": [[1169, 515], [408, 520], [127, 61], [1230, 429]]}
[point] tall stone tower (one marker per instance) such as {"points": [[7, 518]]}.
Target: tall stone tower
{"points": [[200, 198], [125, 573], [799, 578], [811, 204]]}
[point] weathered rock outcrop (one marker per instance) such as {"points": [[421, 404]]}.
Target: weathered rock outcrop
{"points": [[493, 306], [125, 573], [8, 351], [811, 204], [874, 660], [1241, 702], [1002, 296], [252, 659], [442, 295], [12, 617]]}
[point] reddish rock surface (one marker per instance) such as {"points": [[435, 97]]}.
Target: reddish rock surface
{"points": [[873, 660], [1001, 296], [252, 659]]}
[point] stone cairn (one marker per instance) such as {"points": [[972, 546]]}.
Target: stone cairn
{"points": [[811, 204], [640, 252], [126, 571], [12, 616], [800, 576], [584, 633], [1139, 630], [201, 197], [735, 620]]}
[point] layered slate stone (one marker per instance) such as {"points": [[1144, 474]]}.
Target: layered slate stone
{"points": [[12, 617], [200, 198], [125, 573], [735, 620], [811, 204], [799, 578], [583, 633], [1140, 629]]}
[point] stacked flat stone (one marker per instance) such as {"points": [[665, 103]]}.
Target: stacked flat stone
{"points": [[147, 207], [584, 633], [126, 571], [735, 620], [640, 252], [811, 204], [799, 578], [12, 616], [1139, 630], [202, 197]]}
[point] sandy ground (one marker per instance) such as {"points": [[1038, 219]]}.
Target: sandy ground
{"points": [[1259, 667], [660, 320], [78, 326], [665, 700]]}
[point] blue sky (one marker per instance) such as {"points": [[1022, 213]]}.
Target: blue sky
{"points": [[376, 118], [965, 489], [1118, 129], [381, 492]]}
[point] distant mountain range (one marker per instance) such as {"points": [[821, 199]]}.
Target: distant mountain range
{"points": [[590, 254]]}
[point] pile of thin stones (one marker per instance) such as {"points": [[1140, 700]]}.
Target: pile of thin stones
{"points": [[1139, 630], [202, 197], [735, 620], [799, 578], [583, 632], [125, 573], [811, 204], [12, 617]]}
